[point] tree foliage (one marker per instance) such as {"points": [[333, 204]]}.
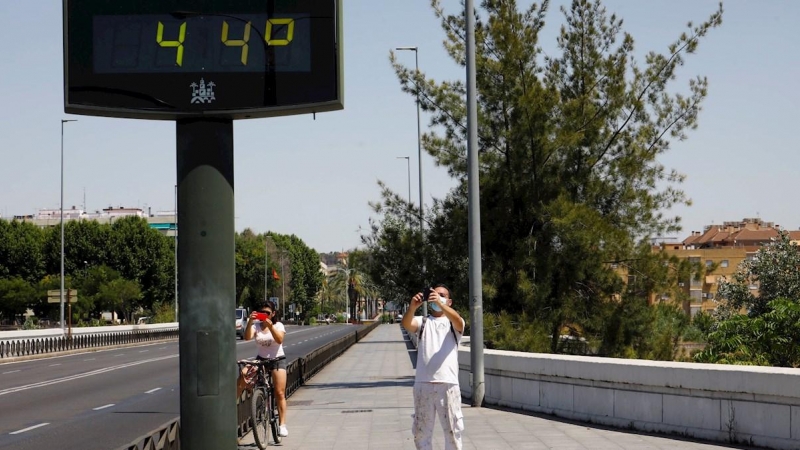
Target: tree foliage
{"points": [[570, 179], [289, 258], [768, 333]]}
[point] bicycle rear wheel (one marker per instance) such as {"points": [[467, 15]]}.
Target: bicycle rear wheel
{"points": [[274, 419], [260, 418]]}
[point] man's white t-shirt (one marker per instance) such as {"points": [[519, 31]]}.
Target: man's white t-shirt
{"points": [[437, 351], [267, 347]]}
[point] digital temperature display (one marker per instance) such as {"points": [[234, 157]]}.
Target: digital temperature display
{"points": [[172, 59]]}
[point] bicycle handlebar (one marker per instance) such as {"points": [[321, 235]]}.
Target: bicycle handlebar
{"points": [[260, 362]]}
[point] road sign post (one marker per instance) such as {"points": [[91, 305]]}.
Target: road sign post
{"points": [[54, 296]]}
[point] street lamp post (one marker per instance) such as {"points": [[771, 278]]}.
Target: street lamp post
{"points": [[408, 163], [474, 221], [63, 121], [419, 152], [176, 253]]}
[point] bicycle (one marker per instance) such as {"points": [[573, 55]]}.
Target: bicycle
{"points": [[264, 409]]}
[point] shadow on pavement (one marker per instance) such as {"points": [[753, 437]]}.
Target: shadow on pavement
{"points": [[402, 381]]}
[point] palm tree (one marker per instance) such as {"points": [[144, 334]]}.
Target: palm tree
{"points": [[325, 295], [349, 285]]}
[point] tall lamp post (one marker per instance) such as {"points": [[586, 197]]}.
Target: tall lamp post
{"points": [[408, 163], [63, 121], [176, 253], [419, 152]]}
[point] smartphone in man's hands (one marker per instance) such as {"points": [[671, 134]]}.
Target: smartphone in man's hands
{"points": [[426, 293]]}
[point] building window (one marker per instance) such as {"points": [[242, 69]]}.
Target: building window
{"points": [[723, 263], [709, 263]]}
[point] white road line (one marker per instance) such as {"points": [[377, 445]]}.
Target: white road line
{"points": [[90, 359], [103, 407], [53, 365], [82, 375], [152, 390], [162, 348], [121, 354], [143, 351], [12, 371], [29, 428]]}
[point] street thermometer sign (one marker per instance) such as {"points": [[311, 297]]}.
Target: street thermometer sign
{"points": [[228, 59], [203, 64]]}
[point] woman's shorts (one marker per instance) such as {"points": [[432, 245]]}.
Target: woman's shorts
{"points": [[280, 364]]}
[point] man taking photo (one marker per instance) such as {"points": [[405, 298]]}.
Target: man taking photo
{"points": [[436, 389]]}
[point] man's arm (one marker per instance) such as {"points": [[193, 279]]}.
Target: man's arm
{"points": [[454, 316], [408, 317]]}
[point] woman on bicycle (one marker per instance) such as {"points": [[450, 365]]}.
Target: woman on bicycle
{"points": [[269, 342]]}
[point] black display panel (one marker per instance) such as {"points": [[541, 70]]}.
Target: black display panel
{"points": [[171, 59]]}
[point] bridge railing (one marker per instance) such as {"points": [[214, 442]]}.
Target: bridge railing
{"points": [[298, 372], [32, 346]]}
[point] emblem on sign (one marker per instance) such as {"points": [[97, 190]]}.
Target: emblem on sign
{"points": [[203, 93]]}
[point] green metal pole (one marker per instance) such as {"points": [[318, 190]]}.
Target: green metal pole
{"points": [[206, 268]]}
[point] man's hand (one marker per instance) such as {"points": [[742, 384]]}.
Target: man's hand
{"points": [[416, 301], [408, 317]]}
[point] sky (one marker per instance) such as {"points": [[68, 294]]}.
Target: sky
{"points": [[315, 178]]}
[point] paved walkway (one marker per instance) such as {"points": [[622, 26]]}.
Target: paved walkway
{"points": [[363, 401]]}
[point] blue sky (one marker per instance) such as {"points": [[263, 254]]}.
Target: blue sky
{"points": [[314, 178]]}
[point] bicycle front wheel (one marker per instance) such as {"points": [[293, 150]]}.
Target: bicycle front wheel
{"points": [[260, 418]]}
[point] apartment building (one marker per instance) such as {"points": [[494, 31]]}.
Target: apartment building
{"points": [[720, 249]]}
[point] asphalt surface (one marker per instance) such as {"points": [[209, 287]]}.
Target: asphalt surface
{"points": [[105, 399]]}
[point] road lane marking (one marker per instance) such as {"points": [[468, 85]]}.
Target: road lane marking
{"points": [[90, 359], [103, 407], [82, 375], [152, 390], [30, 428], [12, 371], [143, 351], [53, 365], [121, 354]]}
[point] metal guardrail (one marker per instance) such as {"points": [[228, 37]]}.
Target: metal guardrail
{"points": [[38, 346], [167, 437]]}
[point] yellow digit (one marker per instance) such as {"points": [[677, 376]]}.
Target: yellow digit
{"points": [[289, 31], [237, 42], [176, 44]]}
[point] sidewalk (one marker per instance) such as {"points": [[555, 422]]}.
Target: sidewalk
{"points": [[363, 401]]}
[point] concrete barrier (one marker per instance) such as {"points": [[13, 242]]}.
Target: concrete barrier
{"points": [[737, 404], [54, 332]]}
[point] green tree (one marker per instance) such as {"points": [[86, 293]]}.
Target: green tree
{"points": [[16, 295], [569, 146], [250, 258], [123, 296], [769, 332], [770, 339], [144, 256], [775, 269], [21, 251]]}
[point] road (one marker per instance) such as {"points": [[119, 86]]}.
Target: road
{"points": [[103, 400]]}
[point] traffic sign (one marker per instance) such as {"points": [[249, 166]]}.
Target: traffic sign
{"points": [[54, 296]]}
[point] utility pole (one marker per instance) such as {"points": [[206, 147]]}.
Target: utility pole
{"points": [[474, 221]]}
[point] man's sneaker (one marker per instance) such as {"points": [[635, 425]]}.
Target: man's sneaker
{"points": [[283, 431]]}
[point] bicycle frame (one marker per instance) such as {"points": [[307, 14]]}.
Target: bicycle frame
{"points": [[263, 394]]}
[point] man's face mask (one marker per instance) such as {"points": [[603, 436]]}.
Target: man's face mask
{"points": [[435, 306]]}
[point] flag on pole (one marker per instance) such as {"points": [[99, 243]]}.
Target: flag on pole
{"points": [[275, 275]]}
